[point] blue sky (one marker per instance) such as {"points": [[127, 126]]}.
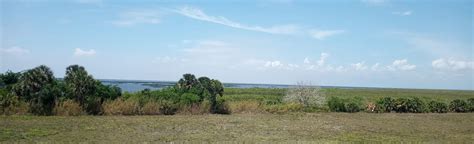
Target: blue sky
{"points": [[368, 43]]}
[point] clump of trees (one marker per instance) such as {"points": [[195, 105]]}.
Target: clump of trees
{"points": [[38, 92], [42, 91]]}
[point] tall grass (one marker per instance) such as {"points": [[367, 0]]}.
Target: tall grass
{"points": [[121, 107], [68, 108]]}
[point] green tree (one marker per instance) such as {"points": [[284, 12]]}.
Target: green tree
{"points": [[188, 82], [8, 79], [39, 88], [33, 80], [213, 88], [79, 82]]}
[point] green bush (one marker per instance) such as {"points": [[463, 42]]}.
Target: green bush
{"points": [[413, 105], [458, 105], [386, 104], [221, 107], [168, 108], [471, 104], [11, 104], [437, 107], [188, 99], [352, 107], [336, 104]]}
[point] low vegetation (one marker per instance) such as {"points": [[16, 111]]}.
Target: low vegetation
{"points": [[38, 92]]}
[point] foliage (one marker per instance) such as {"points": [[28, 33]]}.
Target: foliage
{"points": [[336, 104], [43, 101], [437, 107], [32, 81], [413, 105], [284, 108], [352, 107], [386, 104], [458, 106], [245, 107], [151, 108], [79, 82], [188, 99], [68, 108], [470, 102], [168, 108], [8, 79], [221, 107], [305, 94], [121, 107], [11, 104]]}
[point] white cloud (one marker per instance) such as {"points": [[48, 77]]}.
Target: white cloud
{"points": [[322, 59], [403, 13], [452, 64], [360, 66], [375, 67], [323, 34], [306, 61], [401, 65], [138, 17], [198, 14], [80, 52], [15, 50], [273, 64]]}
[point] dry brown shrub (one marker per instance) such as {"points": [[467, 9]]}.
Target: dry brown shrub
{"points": [[121, 107], [68, 108]]}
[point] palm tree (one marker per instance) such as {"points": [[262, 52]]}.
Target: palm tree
{"points": [[79, 82], [33, 80]]}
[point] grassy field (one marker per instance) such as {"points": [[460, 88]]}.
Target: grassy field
{"points": [[322, 127], [366, 94]]}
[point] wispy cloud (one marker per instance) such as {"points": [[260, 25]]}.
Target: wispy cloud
{"points": [[15, 50], [138, 17], [198, 14], [322, 34], [79, 52], [452, 64], [360, 66], [402, 13]]}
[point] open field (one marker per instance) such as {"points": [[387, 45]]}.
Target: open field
{"points": [[366, 94], [322, 127]]}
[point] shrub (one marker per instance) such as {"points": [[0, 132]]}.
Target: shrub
{"points": [[11, 104], [151, 108], [93, 105], [352, 107], [245, 107], [284, 108], [336, 104], [437, 107], [168, 108], [68, 108], [386, 104], [197, 108], [188, 99], [414, 105], [121, 107], [471, 104], [221, 107], [305, 94], [458, 106]]}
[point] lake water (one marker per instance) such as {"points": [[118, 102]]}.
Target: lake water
{"points": [[134, 86], [137, 85]]}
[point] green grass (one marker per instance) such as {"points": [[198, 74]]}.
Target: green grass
{"points": [[366, 94], [319, 127]]}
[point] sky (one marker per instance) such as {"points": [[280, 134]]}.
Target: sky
{"points": [[362, 43]]}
